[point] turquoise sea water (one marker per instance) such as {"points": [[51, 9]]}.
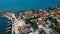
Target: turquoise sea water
{"points": [[27, 4]]}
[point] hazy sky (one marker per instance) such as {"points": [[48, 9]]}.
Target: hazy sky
{"points": [[27, 4]]}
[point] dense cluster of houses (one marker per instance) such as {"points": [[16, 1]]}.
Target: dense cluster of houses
{"points": [[37, 21], [47, 21]]}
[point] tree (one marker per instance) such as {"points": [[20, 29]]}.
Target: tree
{"points": [[33, 23], [56, 24]]}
